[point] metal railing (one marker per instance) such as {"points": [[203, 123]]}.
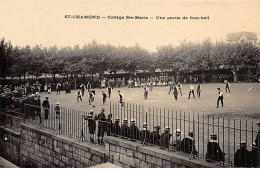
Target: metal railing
{"points": [[77, 124]]}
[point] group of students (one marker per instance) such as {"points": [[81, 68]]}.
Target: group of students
{"points": [[242, 158]]}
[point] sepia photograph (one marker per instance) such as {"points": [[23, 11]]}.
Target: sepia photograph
{"points": [[130, 84]]}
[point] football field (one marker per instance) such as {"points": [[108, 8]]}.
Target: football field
{"points": [[242, 103]]}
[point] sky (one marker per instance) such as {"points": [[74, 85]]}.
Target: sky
{"points": [[43, 22]]}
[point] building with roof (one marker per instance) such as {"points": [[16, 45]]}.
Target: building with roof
{"points": [[242, 37]]}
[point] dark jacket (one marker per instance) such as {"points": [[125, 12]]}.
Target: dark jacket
{"points": [[214, 153], [165, 139], [188, 146], [242, 158]]}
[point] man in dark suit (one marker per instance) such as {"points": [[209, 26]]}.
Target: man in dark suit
{"points": [[188, 144], [116, 128], [155, 136], [145, 134], [242, 156], [46, 107], [214, 152], [125, 129], [133, 131], [166, 137], [109, 124]]}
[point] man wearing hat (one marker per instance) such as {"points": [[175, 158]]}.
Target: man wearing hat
{"points": [[242, 156], [101, 125], [177, 140], [104, 97], [46, 107], [166, 137], [91, 125], [145, 134], [188, 144], [109, 124], [220, 98], [125, 129], [155, 136], [133, 130], [214, 152], [116, 130]]}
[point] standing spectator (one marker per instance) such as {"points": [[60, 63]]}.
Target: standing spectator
{"points": [[214, 153], [220, 98], [198, 89], [46, 107], [91, 125], [109, 124], [101, 125], [227, 86], [242, 156], [79, 95]]}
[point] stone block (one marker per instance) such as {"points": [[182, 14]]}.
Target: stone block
{"points": [[144, 164], [64, 159], [37, 147], [76, 157], [84, 161], [129, 153], [49, 140], [42, 161], [96, 158], [114, 156], [67, 147], [68, 154], [87, 155], [62, 164], [113, 148], [166, 164], [72, 162], [79, 165], [56, 161], [122, 150], [49, 146], [47, 163], [47, 151]]}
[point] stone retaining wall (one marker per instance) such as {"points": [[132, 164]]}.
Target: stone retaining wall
{"points": [[10, 145], [127, 153]]}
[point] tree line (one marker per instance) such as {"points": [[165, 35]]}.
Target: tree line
{"points": [[95, 58]]}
